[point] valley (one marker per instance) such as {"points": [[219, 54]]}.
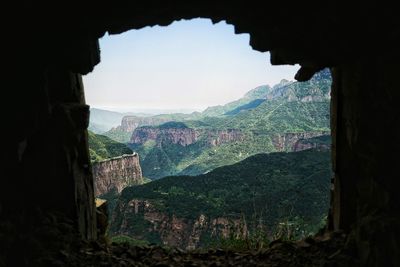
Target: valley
{"points": [[257, 194], [257, 166], [192, 144]]}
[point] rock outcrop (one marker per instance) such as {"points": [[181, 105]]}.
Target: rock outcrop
{"points": [[297, 141], [218, 137], [181, 136], [140, 219], [185, 136], [116, 173], [130, 123], [311, 143]]}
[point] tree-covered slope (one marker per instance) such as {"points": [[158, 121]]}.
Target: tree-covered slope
{"points": [[192, 145], [265, 188], [281, 116], [261, 183], [259, 92], [102, 147], [251, 105], [262, 130]]}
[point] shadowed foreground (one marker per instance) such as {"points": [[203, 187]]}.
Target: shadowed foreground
{"points": [[321, 251], [51, 240]]}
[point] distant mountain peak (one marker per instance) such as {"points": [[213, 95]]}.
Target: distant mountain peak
{"points": [[324, 74], [284, 81], [258, 92]]}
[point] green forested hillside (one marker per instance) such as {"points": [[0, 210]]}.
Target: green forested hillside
{"points": [[259, 126], [251, 105], [118, 135], [266, 188], [102, 147], [259, 92], [261, 116], [280, 116]]}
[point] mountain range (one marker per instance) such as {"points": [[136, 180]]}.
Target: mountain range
{"points": [[260, 193], [260, 163], [267, 119]]}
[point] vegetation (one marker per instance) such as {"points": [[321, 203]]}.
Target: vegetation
{"points": [[118, 135], [253, 182], [322, 140], [129, 240], [268, 190], [277, 116], [258, 126], [260, 116], [102, 147], [278, 195], [253, 104], [256, 93], [257, 239]]}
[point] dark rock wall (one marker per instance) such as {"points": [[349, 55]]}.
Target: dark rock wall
{"points": [[366, 163], [49, 169]]}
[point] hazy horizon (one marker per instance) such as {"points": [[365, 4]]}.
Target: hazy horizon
{"points": [[149, 111], [187, 66]]}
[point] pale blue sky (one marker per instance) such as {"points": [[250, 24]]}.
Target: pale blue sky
{"points": [[187, 65]]}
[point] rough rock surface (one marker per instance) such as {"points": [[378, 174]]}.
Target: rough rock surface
{"points": [[185, 136], [181, 136], [304, 144], [117, 173], [130, 123], [225, 136], [295, 141]]}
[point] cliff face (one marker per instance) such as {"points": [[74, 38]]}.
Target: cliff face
{"points": [[185, 136], [140, 219], [297, 141], [130, 123], [181, 136], [116, 174], [218, 137], [310, 143]]}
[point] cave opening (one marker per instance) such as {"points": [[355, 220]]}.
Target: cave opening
{"points": [[47, 193], [246, 109]]}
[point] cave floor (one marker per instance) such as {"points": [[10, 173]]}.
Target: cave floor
{"points": [[51, 240], [318, 251]]}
